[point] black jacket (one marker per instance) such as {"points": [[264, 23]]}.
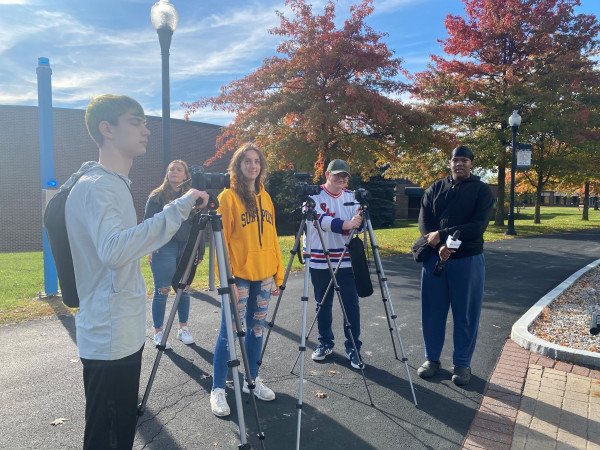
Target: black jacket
{"points": [[465, 206], [154, 205]]}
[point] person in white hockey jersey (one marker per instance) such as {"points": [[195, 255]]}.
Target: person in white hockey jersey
{"points": [[337, 221]]}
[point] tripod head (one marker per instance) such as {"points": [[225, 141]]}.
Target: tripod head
{"points": [[361, 197], [363, 210], [213, 203], [308, 208]]}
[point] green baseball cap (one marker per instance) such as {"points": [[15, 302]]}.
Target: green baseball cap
{"points": [[338, 166]]}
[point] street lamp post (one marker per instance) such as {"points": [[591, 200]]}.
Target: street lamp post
{"points": [[164, 20], [514, 121]]}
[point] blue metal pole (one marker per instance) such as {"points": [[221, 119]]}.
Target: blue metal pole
{"points": [[164, 38], [47, 180]]}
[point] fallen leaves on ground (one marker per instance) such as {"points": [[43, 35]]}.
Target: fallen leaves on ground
{"points": [[60, 421]]}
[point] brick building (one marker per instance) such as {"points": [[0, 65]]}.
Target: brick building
{"points": [[409, 195], [20, 191]]}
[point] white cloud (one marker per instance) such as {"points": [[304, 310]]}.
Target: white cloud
{"points": [[88, 59], [14, 97], [213, 45]]}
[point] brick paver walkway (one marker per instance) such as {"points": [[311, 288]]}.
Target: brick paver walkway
{"points": [[558, 410], [534, 402]]}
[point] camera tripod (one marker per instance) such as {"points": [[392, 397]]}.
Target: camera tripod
{"points": [[183, 278], [309, 218], [385, 293]]}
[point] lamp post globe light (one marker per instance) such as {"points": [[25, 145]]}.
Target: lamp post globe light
{"points": [[514, 121], [164, 20]]}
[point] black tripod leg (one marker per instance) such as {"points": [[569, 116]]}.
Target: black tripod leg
{"points": [[347, 324], [161, 347], [387, 303], [381, 279], [293, 252], [319, 303]]}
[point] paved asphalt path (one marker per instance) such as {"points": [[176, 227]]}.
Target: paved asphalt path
{"points": [[40, 373]]}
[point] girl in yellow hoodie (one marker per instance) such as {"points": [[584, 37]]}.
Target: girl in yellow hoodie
{"points": [[251, 238]]}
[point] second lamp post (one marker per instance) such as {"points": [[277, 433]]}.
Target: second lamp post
{"points": [[164, 19], [514, 121]]}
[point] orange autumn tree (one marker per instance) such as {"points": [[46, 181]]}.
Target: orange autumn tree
{"points": [[331, 92], [530, 55]]}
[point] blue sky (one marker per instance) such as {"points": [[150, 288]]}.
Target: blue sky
{"points": [[100, 46]]}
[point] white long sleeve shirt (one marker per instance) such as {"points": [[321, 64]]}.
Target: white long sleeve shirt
{"points": [[107, 243], [332, 214]]}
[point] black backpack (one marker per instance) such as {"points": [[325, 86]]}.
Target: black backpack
{"points": [[56, 228]]}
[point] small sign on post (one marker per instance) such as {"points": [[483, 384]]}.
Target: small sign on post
{"points": [[524, 157]]}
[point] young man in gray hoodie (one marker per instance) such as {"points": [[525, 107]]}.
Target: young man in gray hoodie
{"points": [[107, 243]]}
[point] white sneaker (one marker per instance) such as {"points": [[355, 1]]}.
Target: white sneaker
{"points": [[158, 338], [261, 391], [184, 335], [218, 403]]}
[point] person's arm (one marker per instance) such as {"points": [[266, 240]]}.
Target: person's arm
{"points": [[280, 272], [354, 223], [106, 205], [427, 222], [227, 219], [153, 206], [324, 219], [474, 229], [343, 223]]}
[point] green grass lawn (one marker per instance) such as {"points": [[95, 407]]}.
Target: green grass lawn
{"points": [[22, 278]]}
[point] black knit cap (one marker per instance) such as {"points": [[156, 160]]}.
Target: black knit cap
{"points": [[462, 151]]}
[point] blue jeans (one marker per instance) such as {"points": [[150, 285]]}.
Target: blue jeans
{"points": [[460, 287], [163, 265], [345, 278], [253, 304]]}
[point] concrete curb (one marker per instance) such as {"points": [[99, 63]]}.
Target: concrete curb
{"points": [[521, 335]]}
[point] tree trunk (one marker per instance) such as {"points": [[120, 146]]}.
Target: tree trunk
{"points": [[537, 218], [499, 220], [586, 201]]}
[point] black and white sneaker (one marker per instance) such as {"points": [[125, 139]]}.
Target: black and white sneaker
{"points": [[321, 352], [355, 359]]}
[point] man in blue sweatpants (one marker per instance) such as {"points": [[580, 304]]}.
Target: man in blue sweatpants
{"points": [[460, 202]]}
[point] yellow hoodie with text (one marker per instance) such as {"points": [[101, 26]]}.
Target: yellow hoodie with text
{"points": [[251, 238]]}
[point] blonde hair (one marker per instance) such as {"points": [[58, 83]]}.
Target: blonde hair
{"points": [[165, 192], [238, 184]]}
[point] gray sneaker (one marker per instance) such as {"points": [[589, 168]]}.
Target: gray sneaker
{"points": [[321, 352], [428, 369], [462, 375]]}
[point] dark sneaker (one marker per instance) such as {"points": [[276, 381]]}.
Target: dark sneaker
{"points": [[428, 369], [355, 359], [462, 375], [321, 352]]}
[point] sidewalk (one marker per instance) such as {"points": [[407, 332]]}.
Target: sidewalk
{"points": [[41, 373], [535, 402]]}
